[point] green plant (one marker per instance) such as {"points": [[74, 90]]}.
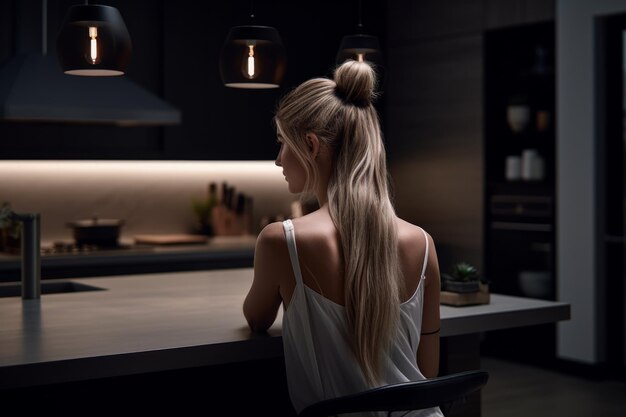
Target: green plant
{"points": [[462, 272], [203, 209], [5, 215], [10, 230], [464, 278], [7, 223]]}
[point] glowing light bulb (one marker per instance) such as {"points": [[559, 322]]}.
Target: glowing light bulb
{"points": [[93, 53], [249, 66], [251, 61], [360, 57]]}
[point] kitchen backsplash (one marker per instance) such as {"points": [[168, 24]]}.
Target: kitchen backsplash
{"points": [[149, 196]]}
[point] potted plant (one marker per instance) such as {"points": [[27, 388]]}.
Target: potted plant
{"points": [[464, 278], [9, 230], [202, 209], [463, 286]]}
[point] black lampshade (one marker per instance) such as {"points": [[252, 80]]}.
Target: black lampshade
{"points": [[360, 47], [252, 57], [94, 41]]}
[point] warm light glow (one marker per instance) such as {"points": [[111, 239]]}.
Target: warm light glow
{"points": [[93, 34], [250, 73], [251, 66], [360, 57], [63, 190]]}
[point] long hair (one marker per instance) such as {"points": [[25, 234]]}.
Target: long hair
{"points": [[341, 113]]}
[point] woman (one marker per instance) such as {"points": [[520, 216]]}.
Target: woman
{"points": [[360, 289]]}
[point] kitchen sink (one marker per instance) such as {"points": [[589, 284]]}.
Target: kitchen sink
{"points": [[52, 287]]}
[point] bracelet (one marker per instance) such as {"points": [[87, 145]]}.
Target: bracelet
{"points": [[431, 333]]}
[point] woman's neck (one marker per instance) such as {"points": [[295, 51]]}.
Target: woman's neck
{"points": [[322, 200]]}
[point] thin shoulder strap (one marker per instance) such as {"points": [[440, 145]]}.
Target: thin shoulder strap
{"points": [[293, 252], [299, 305], [425, 254]]}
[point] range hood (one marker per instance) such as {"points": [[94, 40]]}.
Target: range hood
{"points": [[33, 88]]}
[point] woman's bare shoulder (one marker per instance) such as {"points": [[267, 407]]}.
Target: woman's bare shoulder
{"points": [[410, 231], [317, 236], [271, 253], [271, 235], [315, 224]]}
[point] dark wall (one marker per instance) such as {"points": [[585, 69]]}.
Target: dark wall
{"points": [[176, 45], [435, 114]]}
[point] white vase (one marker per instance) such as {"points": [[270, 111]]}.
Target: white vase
{"points": [[513, 168], [518, 117], [532, 165]]}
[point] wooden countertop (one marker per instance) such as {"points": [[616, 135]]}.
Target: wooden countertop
{"points": [[155, 322]]}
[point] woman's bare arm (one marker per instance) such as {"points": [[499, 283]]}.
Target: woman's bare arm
{"points": [[428, 350], [263, 299]]}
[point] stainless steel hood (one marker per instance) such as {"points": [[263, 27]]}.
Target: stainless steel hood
{"points": [[33, 88]]}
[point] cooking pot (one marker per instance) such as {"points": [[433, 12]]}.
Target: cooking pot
{"points": [[95, 231]]}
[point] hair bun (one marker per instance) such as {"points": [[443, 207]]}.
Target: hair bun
{"points": [[355, 82]]}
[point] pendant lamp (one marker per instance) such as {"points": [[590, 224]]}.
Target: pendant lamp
{"points": [[94, 41], [252, 57], [359, 46]]}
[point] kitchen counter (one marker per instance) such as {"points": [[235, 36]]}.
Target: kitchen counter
{"points": [[165, 321], [219, 252]]}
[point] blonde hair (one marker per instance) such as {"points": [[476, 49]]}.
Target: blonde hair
{"points": [[340, 112]]}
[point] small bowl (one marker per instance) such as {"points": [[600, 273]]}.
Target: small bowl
{"points": [[536, 284]]}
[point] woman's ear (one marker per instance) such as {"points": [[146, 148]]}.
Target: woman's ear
{"points": [[314, 144]]}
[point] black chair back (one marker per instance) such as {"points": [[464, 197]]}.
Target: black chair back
{"points": [[405, 396]]}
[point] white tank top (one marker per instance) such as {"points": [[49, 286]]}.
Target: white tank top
{"points": [[318, 358]]}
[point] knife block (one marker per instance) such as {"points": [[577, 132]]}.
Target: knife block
{"points": [[227, 222]]}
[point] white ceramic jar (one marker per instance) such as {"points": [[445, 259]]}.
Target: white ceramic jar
{"points": [[513, 168], [518, 117]]}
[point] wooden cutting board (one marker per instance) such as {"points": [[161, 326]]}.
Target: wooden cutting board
{"points": [[169, 239]]}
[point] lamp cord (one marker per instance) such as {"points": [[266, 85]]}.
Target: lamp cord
{"points": [[251, 9], [360, 25]]}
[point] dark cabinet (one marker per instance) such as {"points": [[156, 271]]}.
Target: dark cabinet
{"points": [[519, 134], [611, 148], [519, 146]]}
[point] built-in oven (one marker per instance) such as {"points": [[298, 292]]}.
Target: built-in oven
{"points": [[520, 256], [519, 261]]}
